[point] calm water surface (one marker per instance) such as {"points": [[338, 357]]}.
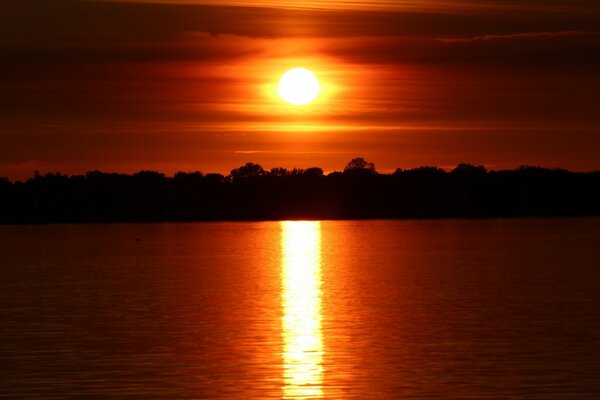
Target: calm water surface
{"points": [[299, 310]]}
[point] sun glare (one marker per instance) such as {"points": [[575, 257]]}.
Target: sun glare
{"points": [[299, 86]]}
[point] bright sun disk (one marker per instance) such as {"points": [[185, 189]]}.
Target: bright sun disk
{"points": [[299, 86]]}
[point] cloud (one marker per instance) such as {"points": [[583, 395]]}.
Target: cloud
{"points": [[513, 36], [393, 5], [552, 50], [38, 23]]}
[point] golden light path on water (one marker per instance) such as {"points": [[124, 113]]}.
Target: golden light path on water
{"points": [[301, 300]]}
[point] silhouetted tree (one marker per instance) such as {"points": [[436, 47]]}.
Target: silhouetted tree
{"points": [[188, 176], [213, 178], [249, 170], [422, 171], [469, 169], [313, 171], [279, 172], [359, 163]]}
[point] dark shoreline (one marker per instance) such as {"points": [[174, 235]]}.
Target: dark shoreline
{"points": [[209, 221], [251, 194]]}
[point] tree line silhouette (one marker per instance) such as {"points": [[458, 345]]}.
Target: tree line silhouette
{"points": [[252, 193]]}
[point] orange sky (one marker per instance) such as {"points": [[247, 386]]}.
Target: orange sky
{"points": [[116, 86]]}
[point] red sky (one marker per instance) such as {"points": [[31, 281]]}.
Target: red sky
{"points": [[189, 85]]}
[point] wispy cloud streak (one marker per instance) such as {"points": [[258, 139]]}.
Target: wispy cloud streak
{"points": [[512, 36]]}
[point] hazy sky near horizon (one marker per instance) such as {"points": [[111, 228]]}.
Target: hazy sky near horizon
{"points": [[190, 85]]}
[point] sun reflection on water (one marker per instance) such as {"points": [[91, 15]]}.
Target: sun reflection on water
{"points": [[301, 299]]}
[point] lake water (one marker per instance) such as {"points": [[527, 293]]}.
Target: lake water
{"points": [[334, 309]]}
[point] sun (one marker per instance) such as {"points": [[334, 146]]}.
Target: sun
{"points": [[299, 86]]}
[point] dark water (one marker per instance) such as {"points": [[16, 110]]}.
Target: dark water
{"points": [[336, 309]]}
